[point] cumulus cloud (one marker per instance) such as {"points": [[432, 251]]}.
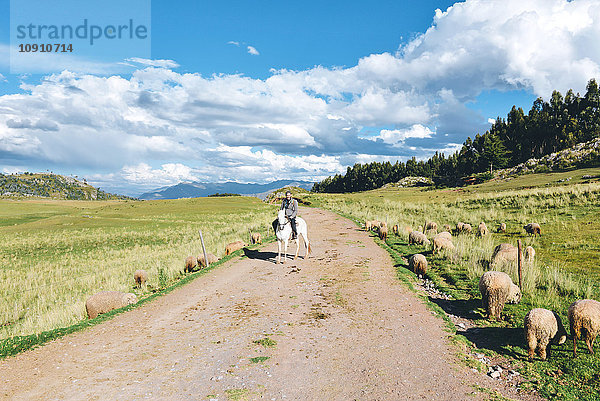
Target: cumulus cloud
{"points": [[305, 123], [252, 50]]}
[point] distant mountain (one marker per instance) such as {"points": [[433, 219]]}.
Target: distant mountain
{"points": [[48, 185], [200, 189]]}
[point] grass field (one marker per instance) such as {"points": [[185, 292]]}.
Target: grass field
{"points": [[54, 254], [566, 268]]}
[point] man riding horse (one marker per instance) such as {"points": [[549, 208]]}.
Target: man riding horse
{"points": [[290, 205]]}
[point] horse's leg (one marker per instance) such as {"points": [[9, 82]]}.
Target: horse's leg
{"points": [[285, 250], [306, 244], [297, 247], [278, 251]]}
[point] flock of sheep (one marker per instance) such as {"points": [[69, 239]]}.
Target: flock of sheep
{"points": [[542, 326], [106, 301]]}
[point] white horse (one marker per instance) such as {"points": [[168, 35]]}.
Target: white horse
{"points": [[283, 231]]}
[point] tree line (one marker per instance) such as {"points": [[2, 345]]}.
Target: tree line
{"points": [[549, 127]]}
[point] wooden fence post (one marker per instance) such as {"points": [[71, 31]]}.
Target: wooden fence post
{"points": [[203, 248], [520, 265]]}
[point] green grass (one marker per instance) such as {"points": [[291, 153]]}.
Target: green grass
{"points": [[259, 359], [54, 254], [566, 268], [266, 342]]}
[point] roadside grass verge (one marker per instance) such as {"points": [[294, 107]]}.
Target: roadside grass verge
{"points": [[55, 254], [566, 268]]}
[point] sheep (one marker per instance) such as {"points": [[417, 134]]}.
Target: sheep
{"points": [[584, 320], [418, 264], [431, 225], [211, 259], [533, 229], [467, 228], [140, 277], [255, 238], [529, 254], [105, 301], [418, 238], [440, 243], [482, 229], [501, 228], [459, 226], [368, 225], [383, 233], [444, 234], [504, 254], [496, 289], [396, 229], [375, 224], [383, 224], [234, 246], [543, 327], [190, 263], [447, 227]]}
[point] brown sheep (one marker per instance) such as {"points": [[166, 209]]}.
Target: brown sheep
{"points": [[255, 238], [543, 327], [396, 229], [234, 246], [502, 228], [383, 233], [496, 289], [529, 254], [467, 228], [140, 277], [106, 301], [459, 227], [584, 319], [482, 229], [190, 264], [533, 229], [418, 264], [504, 254], [440, 243], [431, 225], [418, 238], [211, 259]]}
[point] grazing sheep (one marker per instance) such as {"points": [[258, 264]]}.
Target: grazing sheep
{"points": [[418, 238], [375, 224], [529, 254], [533, 228], [584, 319], [447, 227], [496, 289], [504, 254], [431, 225], [396, 229], [383, 233], [255, 238], [418, 264], [234, 246], [211, 259], [482, 229], [459, 226], [440, 243], [444, 234], [190, 263], [105, 301], [501, 228], [368, 225], [383, 224], [543, 327], [467, 228], [140, 277]]}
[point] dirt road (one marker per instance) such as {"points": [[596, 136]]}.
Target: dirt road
{"points": [[337, 326]]}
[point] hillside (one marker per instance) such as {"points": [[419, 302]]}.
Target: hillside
{"points": [[201, 189], [51, 186]]}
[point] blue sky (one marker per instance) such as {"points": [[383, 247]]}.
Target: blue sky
{"points": [[257, 91]]}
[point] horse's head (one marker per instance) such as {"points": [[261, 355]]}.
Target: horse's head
{"points": [[281, 217]]}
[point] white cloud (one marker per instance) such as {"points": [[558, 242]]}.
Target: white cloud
{"points": [[3, 78], [232, 42], [399, 136], [252, 50], [153, 63], [170, 173], [491, 121]]}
